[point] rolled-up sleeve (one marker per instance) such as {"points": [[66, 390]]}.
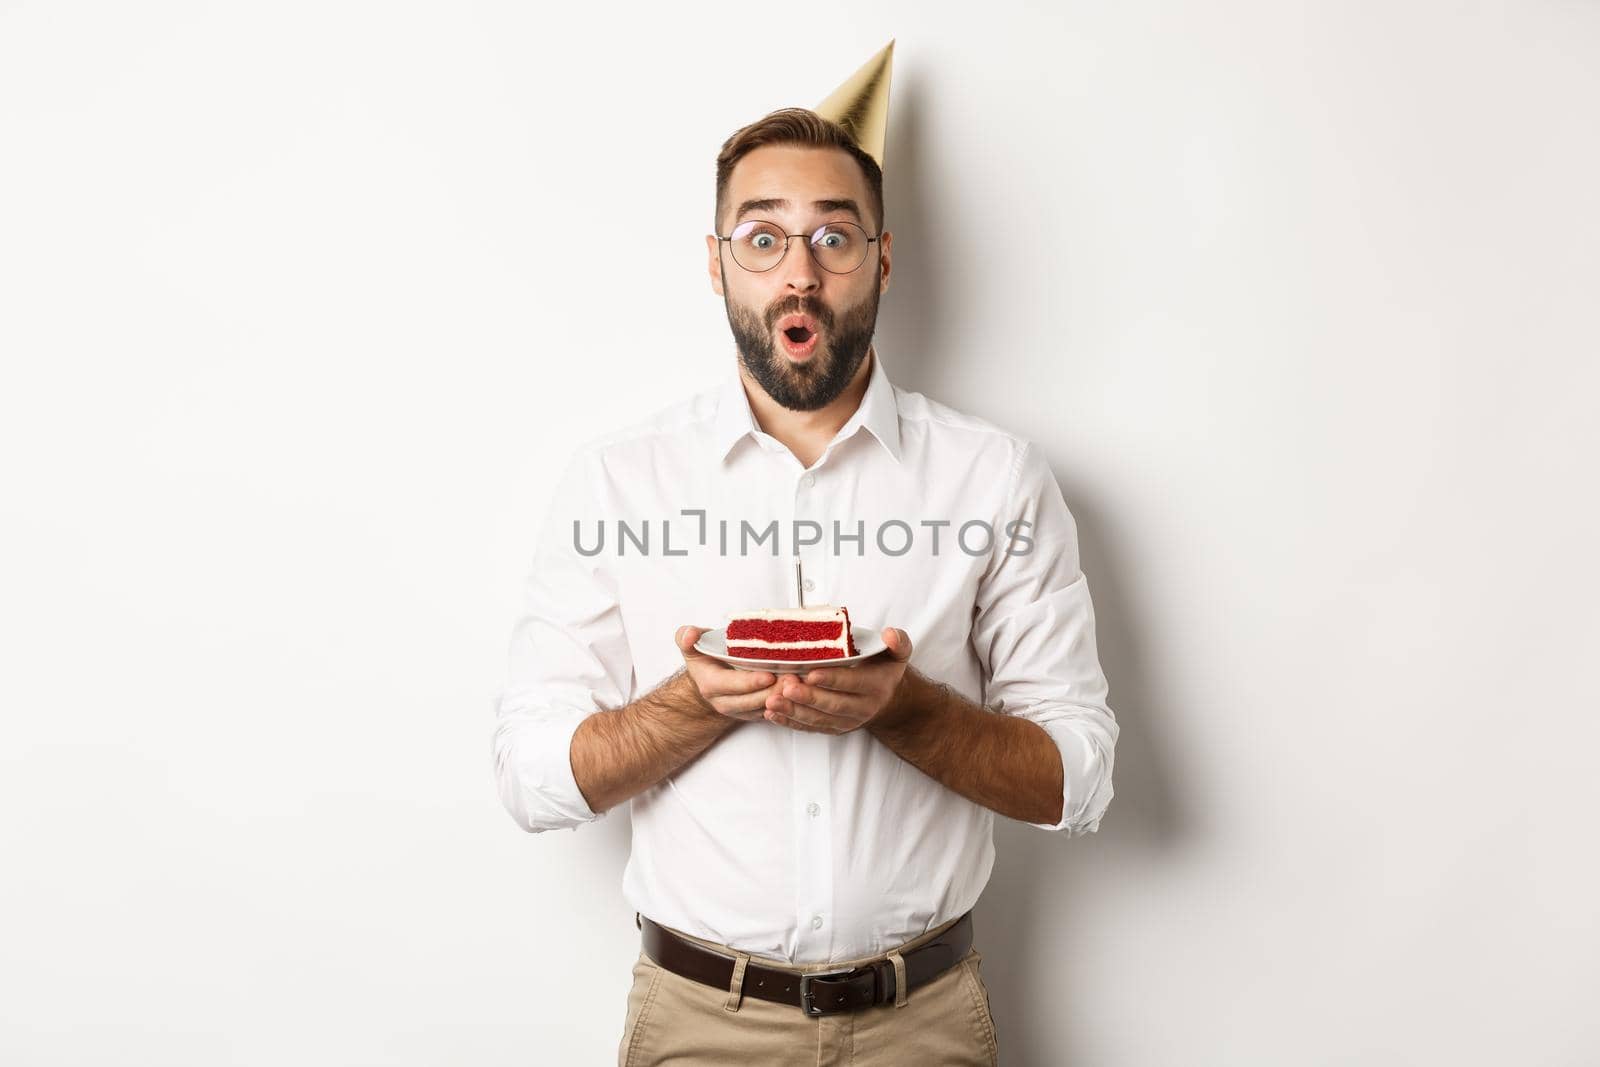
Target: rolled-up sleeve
{"points": [[569, 658], [1033, 630]]}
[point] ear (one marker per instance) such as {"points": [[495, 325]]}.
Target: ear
{"points": [[714, 267], [883, 271]]}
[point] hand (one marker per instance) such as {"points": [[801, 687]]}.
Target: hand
{"points": [[836, 700], [721, 688]]}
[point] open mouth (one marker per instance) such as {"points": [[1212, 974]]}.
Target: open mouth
{"points": [[799, 333]]}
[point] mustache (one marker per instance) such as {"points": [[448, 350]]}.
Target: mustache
{"points": [[799, 306]]}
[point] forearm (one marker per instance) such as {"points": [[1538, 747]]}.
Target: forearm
{"points": [[623, 751], [1005, 763]]}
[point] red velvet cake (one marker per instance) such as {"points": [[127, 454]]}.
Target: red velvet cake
{"points": [[822, 632]]}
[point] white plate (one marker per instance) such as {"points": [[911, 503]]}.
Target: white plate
{"points": [[714, 643]]}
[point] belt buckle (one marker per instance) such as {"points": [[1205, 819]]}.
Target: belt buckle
{"points": [[806, 994]]}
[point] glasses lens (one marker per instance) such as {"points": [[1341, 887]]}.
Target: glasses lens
{"points": [[757, 245], [839, 246]]}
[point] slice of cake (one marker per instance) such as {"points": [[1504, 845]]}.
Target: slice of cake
{"points": [[821, 632]]}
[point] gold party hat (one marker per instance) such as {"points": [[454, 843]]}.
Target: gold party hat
{"points": [[861, 104]]}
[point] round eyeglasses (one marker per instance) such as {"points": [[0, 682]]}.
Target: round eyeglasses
{"points": [[837, 247]]}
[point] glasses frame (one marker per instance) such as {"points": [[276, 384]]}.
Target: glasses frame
{"points": [[810, 251]]}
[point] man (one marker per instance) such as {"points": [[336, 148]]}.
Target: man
{"points": [[835, 820]]}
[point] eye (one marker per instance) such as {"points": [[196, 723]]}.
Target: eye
{"points": [[758, 235], [834, 236]]}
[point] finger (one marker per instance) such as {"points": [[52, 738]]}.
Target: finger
{"points": [[780, 719], [898, 642], [839, 679], [801, 717], [827, 701], [685, 639], [742, 705], [744, 712], [747, 705], [734, 682], [837, 718]]}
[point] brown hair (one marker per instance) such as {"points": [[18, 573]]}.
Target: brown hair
{"points": [[798, 126]]}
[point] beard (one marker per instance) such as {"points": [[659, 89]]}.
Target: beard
{"points": [[815, 383]]}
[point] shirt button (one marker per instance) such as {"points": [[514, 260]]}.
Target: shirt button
{"points": [[808, 585], [813, 808], [816, 922], [808, 481]]}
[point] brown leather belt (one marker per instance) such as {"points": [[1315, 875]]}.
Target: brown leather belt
{"points": [[822, 992]]}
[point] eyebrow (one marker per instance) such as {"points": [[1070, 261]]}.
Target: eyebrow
{"points": [[841, 204]]}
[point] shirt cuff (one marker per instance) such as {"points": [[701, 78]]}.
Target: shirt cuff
{"points": [[1085, 780], [534, 755]]}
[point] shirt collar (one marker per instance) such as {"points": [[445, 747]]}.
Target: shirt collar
{"points": [[877, 412]]}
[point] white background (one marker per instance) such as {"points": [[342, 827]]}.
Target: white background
{"points": [[301, 305]]}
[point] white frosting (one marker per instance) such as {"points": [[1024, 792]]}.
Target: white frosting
{"points": [[837, 642], [820, 613]]}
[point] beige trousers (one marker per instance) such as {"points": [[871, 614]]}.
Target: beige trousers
{"points": [[676, 1021]]}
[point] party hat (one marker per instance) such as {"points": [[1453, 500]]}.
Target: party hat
{"points": [[861, 104]]}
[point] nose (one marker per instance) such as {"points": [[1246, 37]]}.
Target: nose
{"points": [[799, 267]]}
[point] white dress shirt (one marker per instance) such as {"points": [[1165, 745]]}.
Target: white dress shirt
{"points": [[799, 846]]}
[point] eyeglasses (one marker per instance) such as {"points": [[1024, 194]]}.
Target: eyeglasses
{"points": [[837, 247]]}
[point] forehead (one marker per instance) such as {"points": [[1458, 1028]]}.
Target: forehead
{"points": [[798, 174]]}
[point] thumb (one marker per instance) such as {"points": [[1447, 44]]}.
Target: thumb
{"points": [[686, 637], [898, 642]]}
